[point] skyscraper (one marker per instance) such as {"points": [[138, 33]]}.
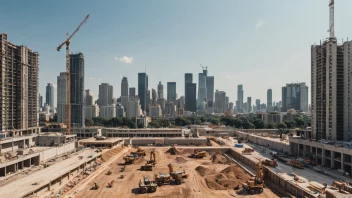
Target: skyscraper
{"points": [[249, 104], [294, 96], [160, 91], [220, 101], [210, 94], [61, 97], [124, 86], [19, 90], [49, 97], [153, 97], [171, 92], [239, 102], [191, 100], [143, 89], [202, 91], [257, 104], [226, 103], [105, 94], [40, 101], [269, 100], [188, 80], [89, 98], [77, 89], [132, 92]]}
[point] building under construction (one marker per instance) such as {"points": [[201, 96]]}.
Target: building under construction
{"points": [[19, 86]]}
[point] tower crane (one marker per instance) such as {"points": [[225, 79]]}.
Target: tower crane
{"points": [[68, 89], [204, 68]]}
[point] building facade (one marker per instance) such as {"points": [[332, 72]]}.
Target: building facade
{"points": [[49, 95], [61, 97], [77, 89], [171, 92], [188, 80], [91, 111], [89, 98], [294, 96], [220, 102], [124, 86], [269, 100], [106, 92], [239, 102], [210, 94], [107, 111], [132, 92], [142, 90], [202, 91], [191, 100]]}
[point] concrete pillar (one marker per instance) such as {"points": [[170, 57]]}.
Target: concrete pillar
{"points": [[332, 160], [323, 157], [342, 161], [310, 150], [298, 150]]}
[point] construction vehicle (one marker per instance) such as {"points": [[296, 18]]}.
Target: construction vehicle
{"points": [[129, 159], [96, 186], [279, 158], [68, 77], [268, 162], [145, 185], [122, 169], [150, 164], [109, 172], [255, 185], [198, 154], [320, 188], [343, 187], [176, 176], [296, 164], [139, 152], [247, 151], [242, 140], [111, 184]]}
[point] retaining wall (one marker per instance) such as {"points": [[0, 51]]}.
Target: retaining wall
{"points": [[56, 151]]}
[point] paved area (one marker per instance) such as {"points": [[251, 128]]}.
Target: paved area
{"points": [[24, 185]]}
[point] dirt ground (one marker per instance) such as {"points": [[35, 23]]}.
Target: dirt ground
{"points": [[205, 178]]}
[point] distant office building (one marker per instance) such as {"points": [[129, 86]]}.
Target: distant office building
{"points": [[124, 86], [171, 92], [294, 96], [202, 91], [181, 102], [273, 118], [132, 92], [89, 99], [105, 94], [269, 100], [160, 91], [19, 86], [125, 102], [120, 111], [188, 80], [153, 97], [226, 103], [40, 101], [191, 100], [61, 97], [239, 102], [231, 106], [257, 104], [49, 99], [162, 103], [134, 108], [220, 102], [249, 104], [143, 90], [77, 89], [210, 94], [148, 100], [107, 111], [91, 111], [155, 111], [170, 108]]}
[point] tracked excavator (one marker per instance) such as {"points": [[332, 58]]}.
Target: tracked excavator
{"points": [[139, 152], [255, 185], [198, 154], [271, 163], [176, 176], [150, 164]]}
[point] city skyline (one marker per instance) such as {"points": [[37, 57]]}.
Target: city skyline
{"points": [[233, 62]]}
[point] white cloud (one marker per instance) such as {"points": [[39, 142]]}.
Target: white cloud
{"points": [[259, 24], [125, 59]]}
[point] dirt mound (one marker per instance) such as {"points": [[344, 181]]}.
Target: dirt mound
{"points": [[202, 171], [235, 172], [219, 159], [181, 160], [172, 151], [107, 155], [207, 163], [186, 151]]}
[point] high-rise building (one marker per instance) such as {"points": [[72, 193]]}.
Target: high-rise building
{"points": [[134, 108], [124, 86], [231, 106], [294, 96], [77, 89], [269, 100], [143, 90], [105, 94], [89, 98], [249, 104], [239, 102], [120, 111], [191, 100], [210, 94], [171, 92], [160, 91], [108, 111], [19, 86], [61, 97], [257, 104], [153, 97], [227, 102], [188, 80], [220, 102], [132, 92], [49, 97], [40, 101], [202, 91], [148, 100], [155, 111], [91, 111]]}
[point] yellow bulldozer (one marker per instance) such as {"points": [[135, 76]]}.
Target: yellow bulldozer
{"points": [[198, 154], [255, 185], [150, 164]]}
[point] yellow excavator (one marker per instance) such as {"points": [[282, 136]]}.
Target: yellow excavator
{"points": [[176, 176], [149, 165], [255, 185], [139, 152], [129, 159], [198, 154]]}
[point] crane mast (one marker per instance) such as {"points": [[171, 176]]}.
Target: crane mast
{"points": [[331, 19], [68, 77]]}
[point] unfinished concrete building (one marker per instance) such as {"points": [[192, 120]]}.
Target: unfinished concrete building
{"points": [[19, 86]]}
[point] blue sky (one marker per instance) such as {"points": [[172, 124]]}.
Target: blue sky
{"points": [[260, 44]]}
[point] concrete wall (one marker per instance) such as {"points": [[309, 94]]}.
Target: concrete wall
{"points": [[48, 140], [185, 141], [264, 130], [56, 151], [265, 141]]}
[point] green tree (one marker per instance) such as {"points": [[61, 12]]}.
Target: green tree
{"points": [[88, 122], [238, 123], [282, 125], [300, 122], [258, 123], [215, 121], [283, 131], [290, 124], [271, 126]]}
